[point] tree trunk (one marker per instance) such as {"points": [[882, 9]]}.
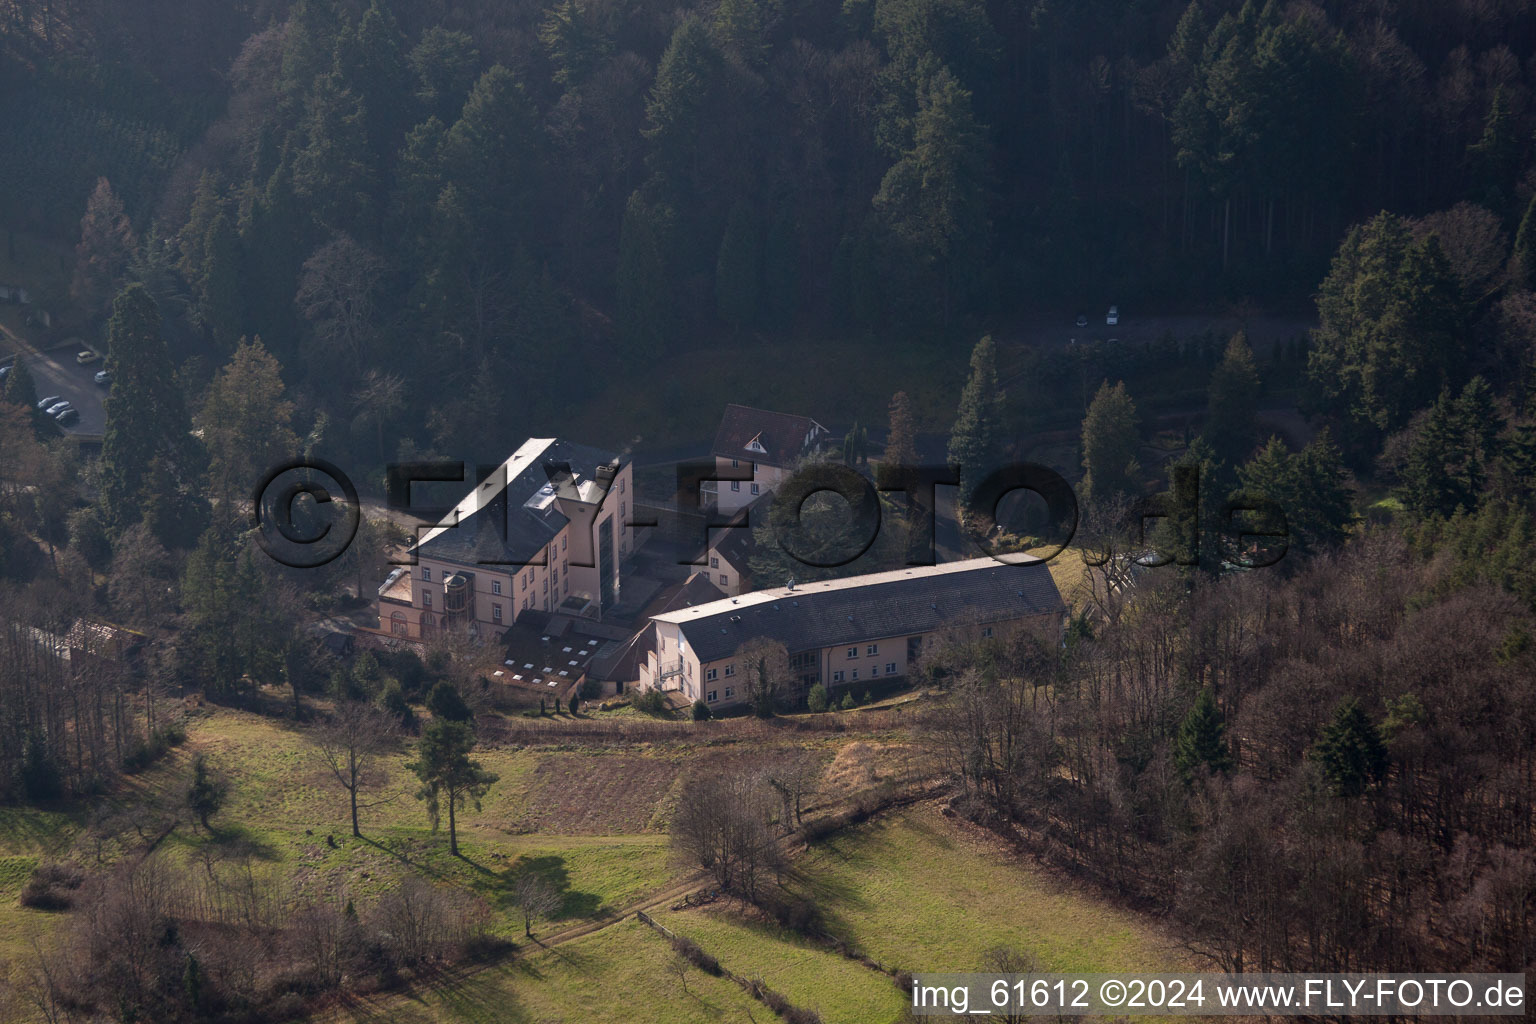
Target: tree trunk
{"points": [[453, 833]]}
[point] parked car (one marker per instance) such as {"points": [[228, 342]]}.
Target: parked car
{"points": [[5, 371], [58, 407], [102, 377], [1113, 319], [68, 416], [86, 357], [1082, 319], [50, 400]]}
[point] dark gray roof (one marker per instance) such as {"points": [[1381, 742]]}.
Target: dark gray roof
{"points": [[782, 435], [899, 603], [479, 539]]}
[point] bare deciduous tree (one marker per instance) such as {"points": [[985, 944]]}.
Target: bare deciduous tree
{"points": [[350, 744]]}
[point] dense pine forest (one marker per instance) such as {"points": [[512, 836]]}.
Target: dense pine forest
{"points": [[420, 206]]}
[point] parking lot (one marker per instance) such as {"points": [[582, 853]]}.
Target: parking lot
{"points": [[55, 372]]}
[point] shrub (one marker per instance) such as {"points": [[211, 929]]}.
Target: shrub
{"points": [[445, 702], [652, 702], [53, 886], [848, 700], [694, 954], [392, 702], [145, 752], [816, 700], [865, 699], [701, 711]]}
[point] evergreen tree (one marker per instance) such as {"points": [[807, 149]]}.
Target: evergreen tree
{"points": [[207, 793], [1351, 752], [781, 272], [1194, 533], [976, 442], [207, 205], [333, 168], [246, 421], [700, 711], [736, 268], [1522, 264], [219, 285], [1495, 157], [371, 63], [816, 700], [644, 291], [1111, 440], [739, 27], [446, 64], [448, 775], [1311, 488], [575, 40], [146, 415], [934, 200], [1452, 452], [901, 441], [445, 702], [1201, 742], [106, 246], [1392, 329], [679, 111], [19, 389], [1234, 398], [493, 154]]}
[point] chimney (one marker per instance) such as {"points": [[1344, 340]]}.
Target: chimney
{"points": [[606, 473]]}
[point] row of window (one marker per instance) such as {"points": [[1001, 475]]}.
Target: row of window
{"points": [[709, 673], [874, 671], [713, 695], [736, 486], [871, 650]]}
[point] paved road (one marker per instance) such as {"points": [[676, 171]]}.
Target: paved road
{"points": [[55, 372]]}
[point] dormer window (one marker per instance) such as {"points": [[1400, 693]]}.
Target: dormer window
{"points": [[755, 445]]}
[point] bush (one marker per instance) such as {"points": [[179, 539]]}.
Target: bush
{"points": [[53, 886], [445, 702], [591, 689], [392, 702], [143, 753], [816, 700], [796, 913], [848, 700], [652, 702], [694, 954], [701, 711]]}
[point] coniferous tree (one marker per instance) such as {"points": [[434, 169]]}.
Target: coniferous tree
{"points": [[1201, 742], [739, 27], [1351, 752], [246, 421], [1111, 440], [736, 268], [901, 441], [934, 200], [106, 245], [1310, 486], [448, 775], [575, 41], [976, 442], [146, 414], [1234, 397], [219, 286], [644, 292], [1522, 264]]}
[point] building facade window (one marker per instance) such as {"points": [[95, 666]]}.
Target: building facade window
{"points": [[562, 542], [710, 675], [495, 586], [756, 489], [735, 485], [621, 485], [426, 574], [729, 693], [725, 580], [987, 631], [872, 650], [837, 676], [890, 668], [735, 464], [855, 675], [622, 510], [710, 696], [426, 599], [853, 652], [714, 563], [874, 670], [495, 613]]}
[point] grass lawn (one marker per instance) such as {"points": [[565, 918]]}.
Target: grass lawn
{"points": [[918, 892], [617, 974], [842, 991]]}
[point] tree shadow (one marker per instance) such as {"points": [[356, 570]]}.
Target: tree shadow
{"points": [[551, 867]]}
